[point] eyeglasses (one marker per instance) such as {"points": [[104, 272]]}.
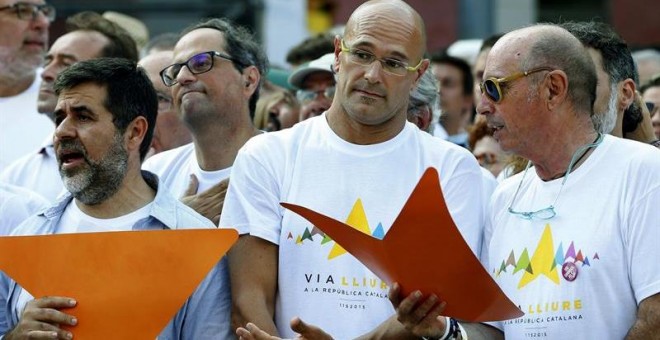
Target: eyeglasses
{"points": [[28, 11], [390, 66], [651, 107], [549, 212], [164, 102], [491, 86], [305, 96], [199, 63]]}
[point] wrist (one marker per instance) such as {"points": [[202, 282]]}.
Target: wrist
{"points": [[450, 330], [453, 331]]}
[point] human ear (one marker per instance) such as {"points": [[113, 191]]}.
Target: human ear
{"points": [[555, 85]]}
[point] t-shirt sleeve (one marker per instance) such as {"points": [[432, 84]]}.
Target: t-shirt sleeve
{"points": [[463, 194], [642, 250], [252, 205]]}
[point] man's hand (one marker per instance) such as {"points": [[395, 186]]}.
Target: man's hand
{"points": [[41, 319], [208, 203], [419, 318], [305, 332]]}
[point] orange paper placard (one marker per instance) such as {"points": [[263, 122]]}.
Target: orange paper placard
{"points": [[423, 250], [127, 284]]}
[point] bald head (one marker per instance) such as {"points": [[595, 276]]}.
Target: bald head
{"points": [[394, 17], [170, 131], [554, 47], [153, 64]]}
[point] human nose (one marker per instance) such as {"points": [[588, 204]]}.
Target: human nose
{"points": [[185, 76], [485, 106], [39, 20], [65, 129], [50, 72], [373, 71]]}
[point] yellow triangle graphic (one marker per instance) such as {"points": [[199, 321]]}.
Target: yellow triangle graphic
{"points": [[356, 219], [298, 240], [542, 260]]}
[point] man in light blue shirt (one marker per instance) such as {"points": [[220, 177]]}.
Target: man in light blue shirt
{"points": [[104, 119]]}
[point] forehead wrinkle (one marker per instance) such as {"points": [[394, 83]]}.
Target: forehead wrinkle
{"points": [[378, 26], [194, 41], [506, 56]]}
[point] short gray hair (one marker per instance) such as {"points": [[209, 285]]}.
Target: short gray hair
{"points": [[425, 94]]}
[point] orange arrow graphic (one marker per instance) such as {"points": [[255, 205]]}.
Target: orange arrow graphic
{"points": [[128, 284], [424, 250]]}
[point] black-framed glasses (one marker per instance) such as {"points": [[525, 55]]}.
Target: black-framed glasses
{"points": [[549, 212], [28, 11], [199, 63], [390, 65], [305, 96], [651, 107], [491, 87]]}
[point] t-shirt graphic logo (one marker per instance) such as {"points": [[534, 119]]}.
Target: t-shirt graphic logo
{"points": [[357, 218], [545, 261]]}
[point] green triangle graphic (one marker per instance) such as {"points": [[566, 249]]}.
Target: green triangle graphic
{"points": [[523, 262]]}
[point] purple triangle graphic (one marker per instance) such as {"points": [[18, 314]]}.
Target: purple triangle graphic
{"points": [[571, 252]]}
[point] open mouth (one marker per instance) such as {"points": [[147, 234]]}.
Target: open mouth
{"points": [[71, 158]]}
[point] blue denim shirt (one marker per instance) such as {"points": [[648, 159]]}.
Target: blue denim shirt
{"points": [[205, 314]]}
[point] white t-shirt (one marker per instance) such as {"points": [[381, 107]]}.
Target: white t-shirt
{"points": [[36, 171], [606, 231], [22, 128], [439, 130], [310, 165], [489, 185], [17, 204], [175, 166], [75, 220]]}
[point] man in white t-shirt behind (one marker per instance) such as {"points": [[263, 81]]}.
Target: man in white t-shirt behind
{"points": [[105, 117], [24, 39], [215, 81], [357, 162]]}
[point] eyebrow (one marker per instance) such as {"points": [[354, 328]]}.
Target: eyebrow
{"points": [[62, 56], [392, 54], [76, 109]]}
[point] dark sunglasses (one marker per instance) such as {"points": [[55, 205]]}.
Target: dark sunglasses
{"points": [[491, 86], [199, 63]]}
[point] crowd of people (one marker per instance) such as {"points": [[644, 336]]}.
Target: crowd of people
{"points": [[546, 147]]}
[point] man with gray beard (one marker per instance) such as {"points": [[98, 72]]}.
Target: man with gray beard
{"points": [[617, 111], [105, 117], [23, 42]]}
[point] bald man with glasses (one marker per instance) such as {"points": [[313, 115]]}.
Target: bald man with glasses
{"points": [[23, 43], [359, 158]]}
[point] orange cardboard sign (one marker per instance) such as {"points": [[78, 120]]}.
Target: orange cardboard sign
{"points": [[423, 250], [127, 284]]}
